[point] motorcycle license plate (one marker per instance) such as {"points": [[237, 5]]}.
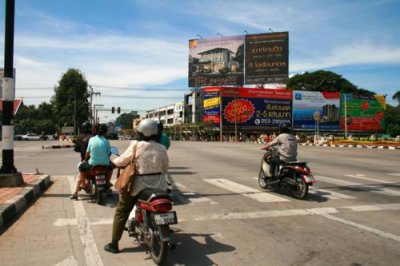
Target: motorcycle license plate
{"points": [[100, 179], [166, 218], [309, 178]]}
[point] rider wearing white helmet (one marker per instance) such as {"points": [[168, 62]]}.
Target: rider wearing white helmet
{"points": [[149, 157]]}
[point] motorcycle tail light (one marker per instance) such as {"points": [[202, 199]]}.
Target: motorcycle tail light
{"points": [[161, 205], [138, 215]]}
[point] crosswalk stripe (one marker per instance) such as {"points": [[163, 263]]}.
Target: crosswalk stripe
{"points": [[245, 191], [394, 174], [374, 189], [325, 193]]}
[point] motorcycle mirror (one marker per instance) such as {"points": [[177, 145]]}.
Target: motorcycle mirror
{"points": [[114, 150]]}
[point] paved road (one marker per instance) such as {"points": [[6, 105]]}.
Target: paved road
{"points": [[351, 216]]}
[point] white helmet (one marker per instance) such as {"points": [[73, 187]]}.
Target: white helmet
{"points": [[148, 127]]}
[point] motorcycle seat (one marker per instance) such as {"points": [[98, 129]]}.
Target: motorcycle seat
{"points": [[295, 163], [149, 194]]}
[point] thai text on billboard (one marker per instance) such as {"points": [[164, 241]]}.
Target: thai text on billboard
{"points": [[216, 61], [364, 112], [307, 104], [256, 108], [267, 58]]}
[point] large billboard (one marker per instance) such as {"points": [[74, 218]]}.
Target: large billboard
{"points": [[256, 108], [216, 61], [267, 58], [237, 60], [311, 107], [364, 112], [211, 105]]}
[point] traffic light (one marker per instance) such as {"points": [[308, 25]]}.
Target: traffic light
{"points": [[119, 110], [112, 109]]}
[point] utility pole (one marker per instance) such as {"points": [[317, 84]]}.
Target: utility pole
{"points": [[9, 176], [93, 107]]}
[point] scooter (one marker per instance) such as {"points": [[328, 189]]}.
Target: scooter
{"points": [[294, 177]]}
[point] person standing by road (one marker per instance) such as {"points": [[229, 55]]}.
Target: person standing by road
{"points": [[149, 157]]}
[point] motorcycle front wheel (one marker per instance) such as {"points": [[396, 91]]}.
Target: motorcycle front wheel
{"points": [[158, 248], [300, 189], [261, 179]]}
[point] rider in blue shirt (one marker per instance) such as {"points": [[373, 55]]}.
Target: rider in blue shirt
{"points": [[98, 153]]}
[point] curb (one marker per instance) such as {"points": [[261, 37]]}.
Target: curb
{"points": [[17, 204], [352, 146], [58, 146]]}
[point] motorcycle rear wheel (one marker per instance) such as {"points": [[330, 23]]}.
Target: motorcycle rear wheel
{"points": [[158, 248], [97, 195], [300, 190]]}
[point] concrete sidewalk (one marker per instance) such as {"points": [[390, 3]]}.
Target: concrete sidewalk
{"points": [[14, 200]]}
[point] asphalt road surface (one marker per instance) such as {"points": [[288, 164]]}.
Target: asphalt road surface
{"points": [[351, 216]]}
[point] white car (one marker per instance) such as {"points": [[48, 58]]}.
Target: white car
{"points": [[30, 136]]}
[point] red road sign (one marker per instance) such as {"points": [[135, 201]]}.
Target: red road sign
{"points": [[17, 104]]}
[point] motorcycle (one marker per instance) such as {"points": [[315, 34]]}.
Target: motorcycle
{"points": [[150, 225], [97, 184], [294, 177], [152, 215], [96, 181]]}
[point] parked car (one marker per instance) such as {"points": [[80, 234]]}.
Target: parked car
{"points": [[30, 136]]}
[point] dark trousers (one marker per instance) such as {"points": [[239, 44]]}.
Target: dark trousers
{"points": [[275, 162], [125, 206]]}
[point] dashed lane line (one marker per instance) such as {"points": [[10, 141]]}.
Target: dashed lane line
{"points": [[90, 250]]}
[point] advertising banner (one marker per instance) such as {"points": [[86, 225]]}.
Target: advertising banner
{"points": [[267, 58], [256, 108], [216, 61], [311, 107], [211, 104], [364, 112]]}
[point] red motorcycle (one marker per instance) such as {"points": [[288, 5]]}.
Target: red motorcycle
{"points": [[150, 225], [97, 184]]}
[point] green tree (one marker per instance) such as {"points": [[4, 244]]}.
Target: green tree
{"points": [[392, 120], [70, 102], [43, 121], [322, 80], [126, 120]]}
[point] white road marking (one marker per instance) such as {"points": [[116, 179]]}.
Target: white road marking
{"points": [[370, 188], [369, 179], [376, 207], [196, 198], [245, 191], [363, 227], [394, 174], [325, 193], [90, 250], [70, 261], [64, 222]]}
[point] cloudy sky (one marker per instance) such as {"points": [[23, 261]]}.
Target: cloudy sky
{"points": [[135, 52]]}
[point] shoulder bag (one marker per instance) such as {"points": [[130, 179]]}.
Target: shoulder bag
{"points": [[124, 181]]}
